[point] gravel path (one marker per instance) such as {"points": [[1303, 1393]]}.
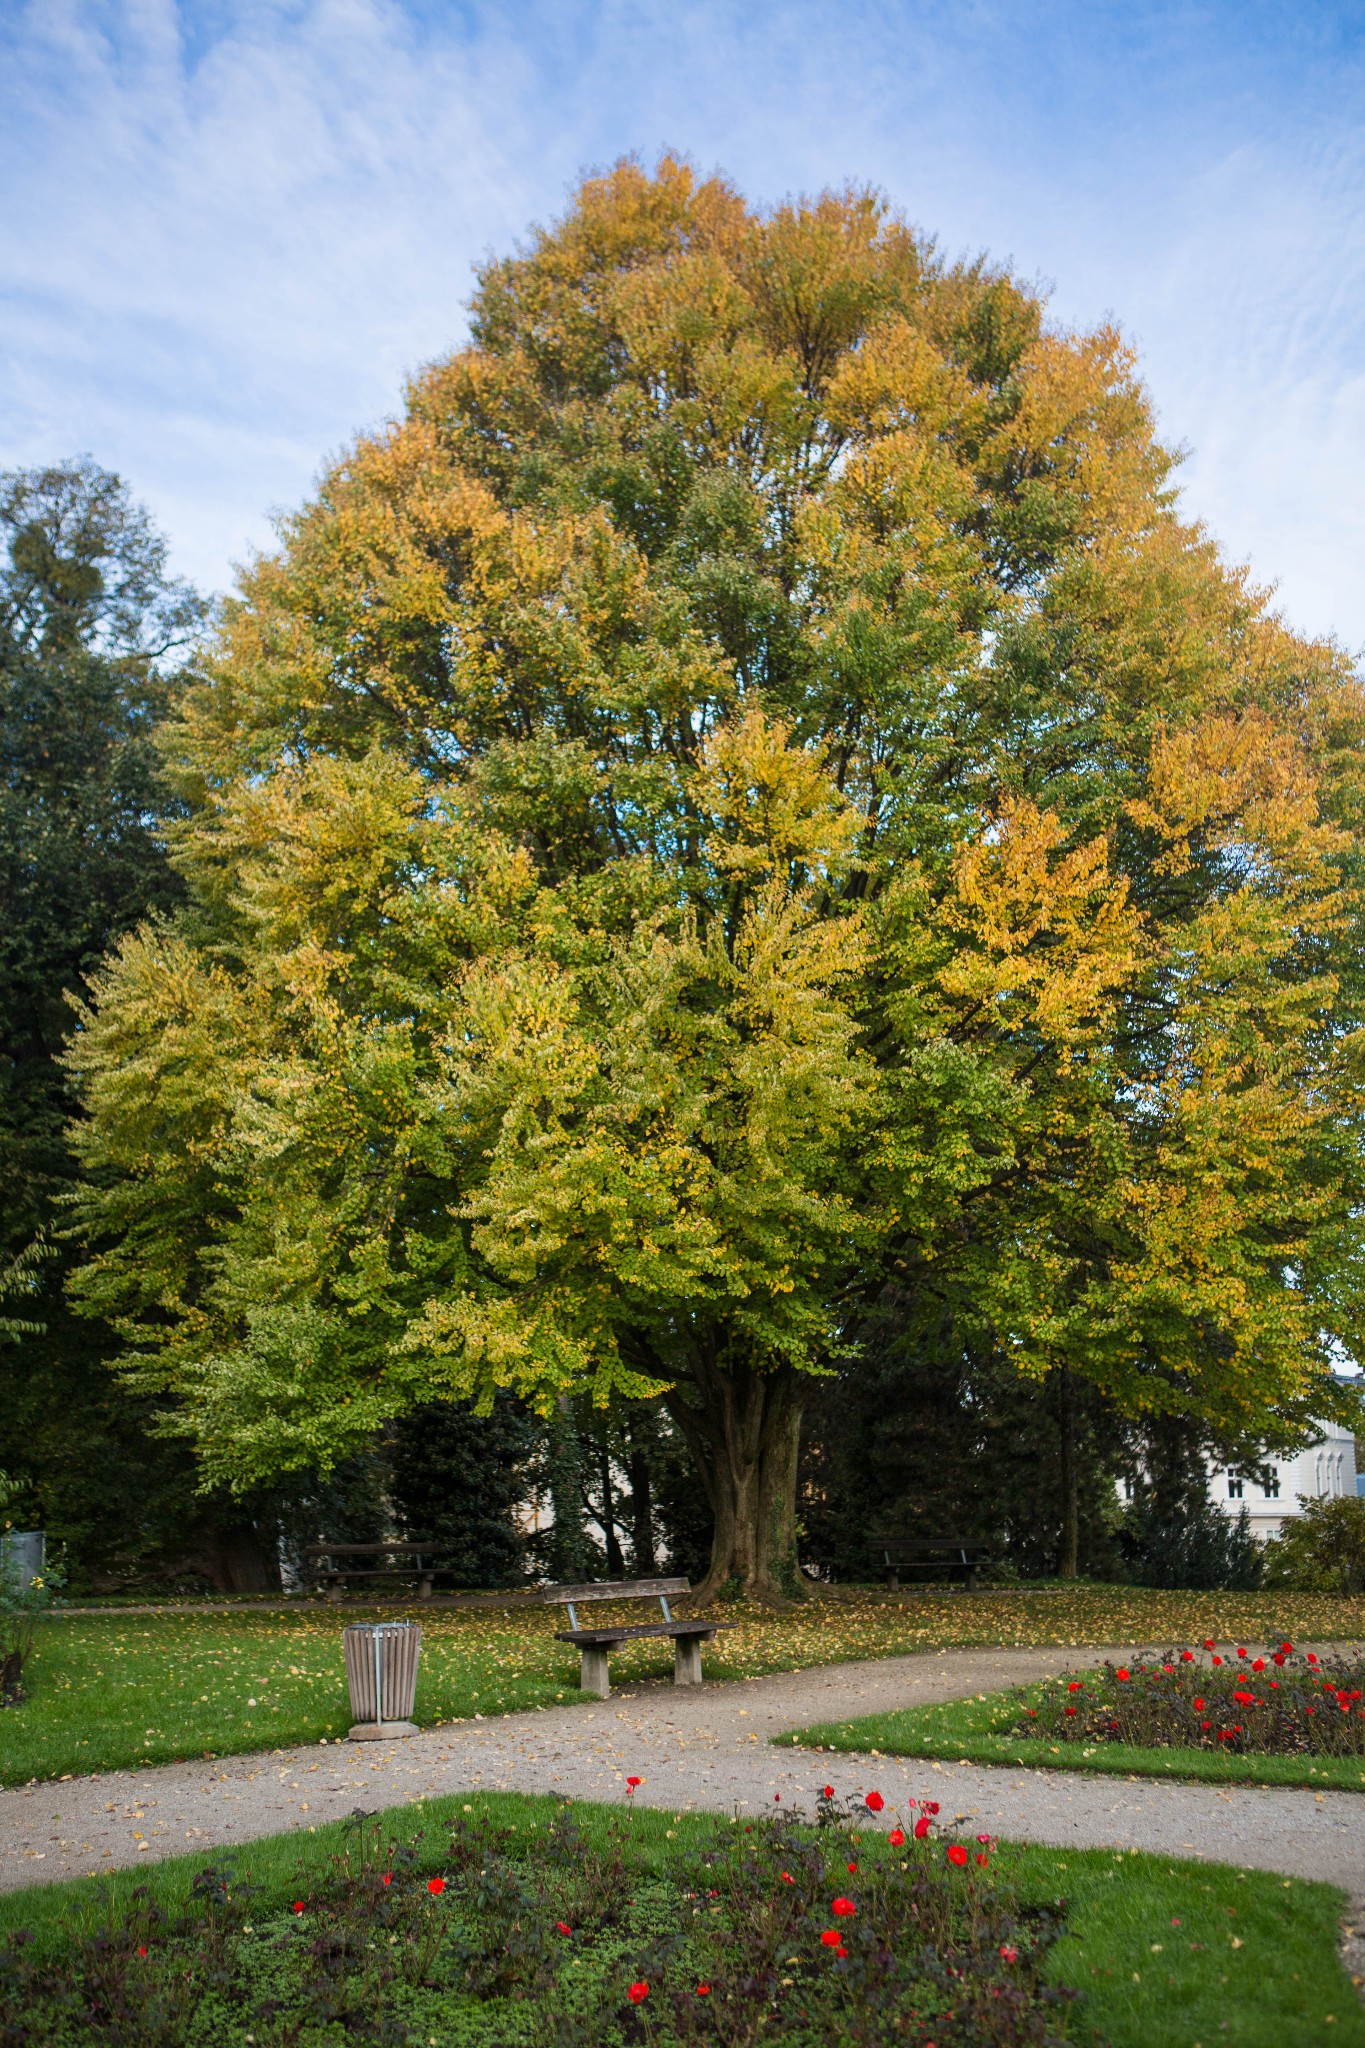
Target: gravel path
{"points": [[706, 1747]]}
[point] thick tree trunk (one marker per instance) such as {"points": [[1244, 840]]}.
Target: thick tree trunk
{"points": [[743, 1427], [1068, 1562]]}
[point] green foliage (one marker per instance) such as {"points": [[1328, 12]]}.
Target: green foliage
{"points": [[456, 1478], [1321, 1549], [88, 619], [1173, 1534], [747, 794]]}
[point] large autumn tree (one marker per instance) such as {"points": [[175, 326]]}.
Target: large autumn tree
{"points": [[747, 795]]}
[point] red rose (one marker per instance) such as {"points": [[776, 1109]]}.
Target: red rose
{"points": [[631, 1783], [563, 1927], [842, 1906], [874, 1802], [1287, 1649], [928, 1806], [1121, 1673], [922, 1827], [436, 1885], [1208, 1642], [142, 1951], [983, 1859], [1187, 1656], [957, 1854], [1217, 1660], [1068, 1710], [1198, 1705], [703, 1991], [787, 1877], [638, 1993], [298, 1905], [1074, 1686], [1259, 1665], [828, 1792], [831, 1937], [1011, 1955], [387, 1878]]}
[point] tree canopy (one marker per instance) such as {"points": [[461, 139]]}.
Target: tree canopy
{"points": [[747, 794]]}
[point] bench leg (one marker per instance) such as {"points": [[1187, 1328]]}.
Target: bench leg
{"points": [[687, 1660], [592, 1675], [424, 1589], [893, 1581], [334, 1593]]}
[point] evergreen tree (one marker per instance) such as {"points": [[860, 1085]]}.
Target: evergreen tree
{"points": [[89, 621], [457, 1480]]}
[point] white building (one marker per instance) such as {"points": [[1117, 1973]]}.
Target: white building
{"points": [[1321, 1471]]}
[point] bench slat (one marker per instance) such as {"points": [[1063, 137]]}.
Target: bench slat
{"points": [[614, 1589], [592, 1636]]}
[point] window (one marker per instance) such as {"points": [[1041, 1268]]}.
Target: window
{"points": [[1234, 1486], [1271, 1489]]}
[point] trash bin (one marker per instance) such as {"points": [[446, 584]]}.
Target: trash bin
{"points": [[381, 1670]]}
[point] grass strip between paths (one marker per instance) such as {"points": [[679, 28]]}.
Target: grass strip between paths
{"points": [[111, 1692], [978, 1731], [1167, 1954]]}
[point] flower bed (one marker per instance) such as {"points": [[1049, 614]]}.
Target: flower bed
{"points": [[1284, 1703], [776, 1931]]}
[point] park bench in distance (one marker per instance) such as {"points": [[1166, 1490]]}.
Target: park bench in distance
{"points": [[594, 1644], [335, 1564], [932, 1557]]}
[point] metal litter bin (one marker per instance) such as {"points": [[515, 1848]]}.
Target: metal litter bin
{"points": [[381, 1670]]}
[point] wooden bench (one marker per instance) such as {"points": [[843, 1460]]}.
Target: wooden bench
{"points": [[594, 1644], [933, 1556], [331, 1564]]}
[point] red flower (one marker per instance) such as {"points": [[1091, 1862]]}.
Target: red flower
{"points": [[874, 1802], [638, 1993], [1287, 1649], [631, 1783], [828, 1792], [1259, 1665], [1011, 1955], [436, 1885], [928, 1806], [1187, 1656], [1245, 1699], [1278, 1658], [563, 1927], [1121, 1673], [957, 1854], [1068, 1710], [787, 1877], [985, 1841], [851, 1868], [1217, 1660], [1074, 1686], [841, 1950], [896, 1837], [1208, 1642], [1312, 1657], [142, 1951], [922, 1827], [298, 1905], [703, 1991], [831, 1937], [1169, 1670], [1241, 1649], [1198, 1705], [842, 1907]]}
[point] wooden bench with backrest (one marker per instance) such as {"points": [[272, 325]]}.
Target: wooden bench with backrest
{"points": [[932, 1557], [334, 1565], [595, 1644]]}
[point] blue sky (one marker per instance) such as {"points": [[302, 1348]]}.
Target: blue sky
{"points": [[230, 226]]}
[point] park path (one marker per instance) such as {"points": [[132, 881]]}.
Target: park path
{"points": [[705, 1748]]}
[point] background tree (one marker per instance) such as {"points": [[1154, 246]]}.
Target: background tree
{"points": [[747, 795], [90, 627]]}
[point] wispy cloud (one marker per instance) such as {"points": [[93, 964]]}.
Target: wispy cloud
{"points": [[230, 227]]}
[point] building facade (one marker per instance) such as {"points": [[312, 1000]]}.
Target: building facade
{"points": [[1321, 1471]]}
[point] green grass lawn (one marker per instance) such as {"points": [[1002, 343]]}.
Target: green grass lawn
{"points": [[977, 1731], [112, 1691], [1167, 1954]]}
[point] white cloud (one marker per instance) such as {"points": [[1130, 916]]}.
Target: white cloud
{"points": [[231, 227]]}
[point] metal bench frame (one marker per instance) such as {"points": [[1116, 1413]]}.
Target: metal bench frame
{"points": [[594, 1645]]}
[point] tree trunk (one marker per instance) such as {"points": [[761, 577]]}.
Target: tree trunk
{"points": [[743, 1428], [616, 1564], [1068, 1563], [642, 1515]]}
